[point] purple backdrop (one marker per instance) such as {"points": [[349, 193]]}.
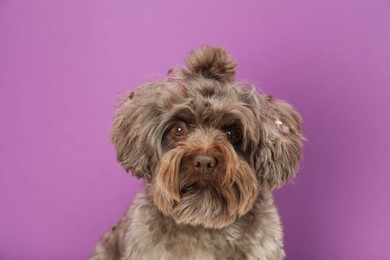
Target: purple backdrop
{"points": [[63, 63]]}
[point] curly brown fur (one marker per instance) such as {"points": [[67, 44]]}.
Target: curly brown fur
{"points": [[211, 62], [211, 151]]}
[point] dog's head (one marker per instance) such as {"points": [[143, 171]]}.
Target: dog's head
{"points": [[205, 144]]}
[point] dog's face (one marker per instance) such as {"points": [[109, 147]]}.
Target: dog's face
{"points": [[206, 145]]}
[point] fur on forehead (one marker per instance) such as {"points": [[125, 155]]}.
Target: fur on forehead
{"points": [[209, 103]]}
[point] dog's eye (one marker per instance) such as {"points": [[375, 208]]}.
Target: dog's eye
{"points": [[179, 130], [234, 135]]}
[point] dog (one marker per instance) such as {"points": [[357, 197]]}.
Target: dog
{"points": [[211, 151]]}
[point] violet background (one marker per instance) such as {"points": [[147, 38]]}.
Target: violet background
{"points": [[63, 64]]}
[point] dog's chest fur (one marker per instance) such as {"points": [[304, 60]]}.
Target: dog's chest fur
{"points": [[144, 233]]}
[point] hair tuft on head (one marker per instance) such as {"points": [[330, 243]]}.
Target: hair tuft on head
{"points": [[211, 62]]}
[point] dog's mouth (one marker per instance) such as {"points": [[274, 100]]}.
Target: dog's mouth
{"points": [[192, 188], [192, 183], [199, 186], [184, 191], [188, 189]]}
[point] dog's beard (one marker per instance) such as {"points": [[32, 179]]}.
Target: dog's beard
{"points": [[214, 200]]}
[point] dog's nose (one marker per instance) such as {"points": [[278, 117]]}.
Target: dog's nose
{"points": [[204, 164]]}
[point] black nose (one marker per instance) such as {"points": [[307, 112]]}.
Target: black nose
{"points": [[204, 164]]}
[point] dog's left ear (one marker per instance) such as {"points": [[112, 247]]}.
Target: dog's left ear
{"points": [[279, 152]]}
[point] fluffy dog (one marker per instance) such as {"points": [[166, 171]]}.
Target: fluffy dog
{"points": [[210, 150]]}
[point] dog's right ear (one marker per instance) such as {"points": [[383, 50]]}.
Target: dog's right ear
{"points": [[135, 130], [125, 134]]}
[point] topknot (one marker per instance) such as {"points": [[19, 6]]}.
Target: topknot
{"points": [[211, 62]]}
